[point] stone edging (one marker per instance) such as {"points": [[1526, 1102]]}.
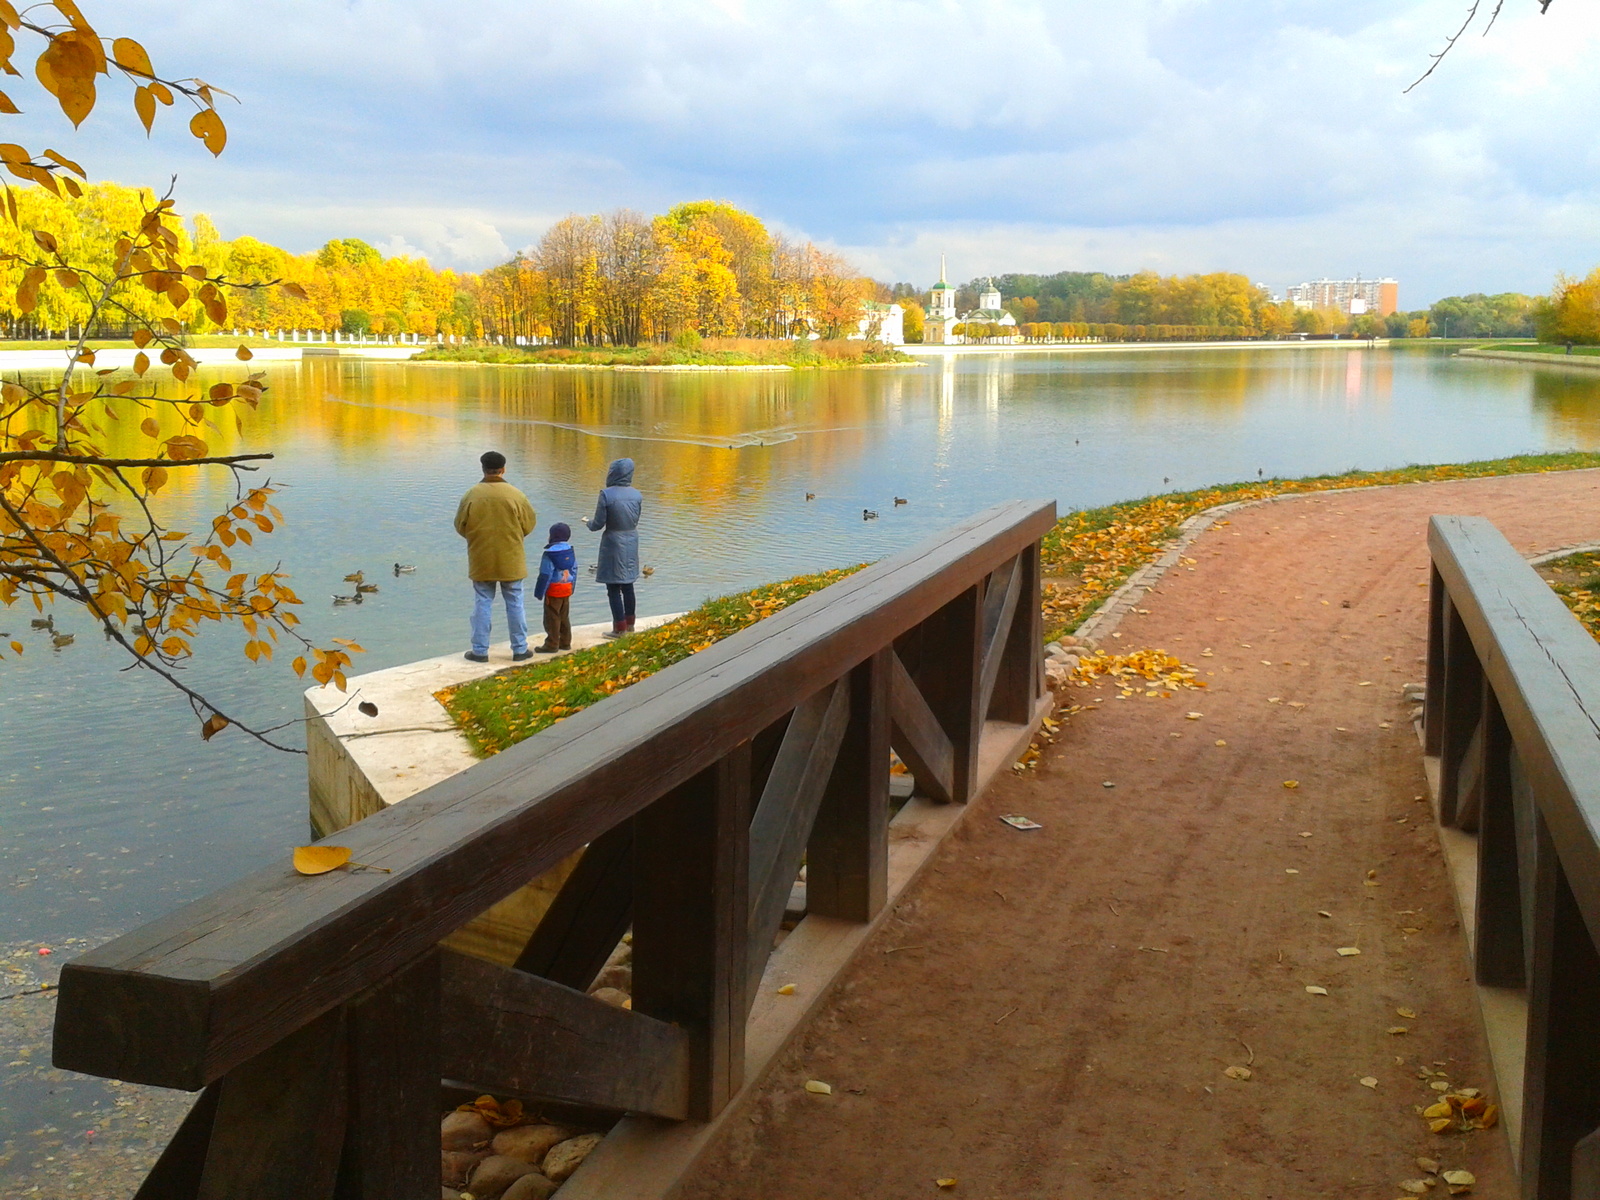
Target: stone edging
{"points": [[1588, 362], [1538, 560]]}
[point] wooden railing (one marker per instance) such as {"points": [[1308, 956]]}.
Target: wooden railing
{"points": [[319, 1014], [1513, 714]]}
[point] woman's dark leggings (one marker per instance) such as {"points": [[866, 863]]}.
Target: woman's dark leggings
{"points": [[621, 597]]}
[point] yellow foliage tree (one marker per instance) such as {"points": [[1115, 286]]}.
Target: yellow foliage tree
{"points": [[1572, 313], [77, 523]]}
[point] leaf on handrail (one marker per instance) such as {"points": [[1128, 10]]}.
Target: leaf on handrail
{"points": [[319, 860]]}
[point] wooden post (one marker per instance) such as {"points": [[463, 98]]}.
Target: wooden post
{"points": [[691, 907], [1463, 697], [176, 1175], [1561, 1089], [589, 915], [1018, 685], [393, 1040], [1498, 953], [948, 673], [847, 856], [1433, 706]]}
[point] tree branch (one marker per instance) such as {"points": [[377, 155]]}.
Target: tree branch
{"points": [[92, 460]]}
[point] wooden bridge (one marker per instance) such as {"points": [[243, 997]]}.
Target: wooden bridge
{"points": [[325, 1030]]}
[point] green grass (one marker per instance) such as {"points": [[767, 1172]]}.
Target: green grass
{"points": [[1541, 348], [800, 355], [1583, 595], [1086, 556], [502, 710]]}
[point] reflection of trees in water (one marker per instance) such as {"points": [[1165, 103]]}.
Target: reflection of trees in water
{"points": [[1567, 402]]}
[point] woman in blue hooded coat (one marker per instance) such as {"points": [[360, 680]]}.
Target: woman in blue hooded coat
{"points": [[618, 565]]}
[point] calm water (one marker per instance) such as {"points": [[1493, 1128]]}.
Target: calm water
{"points": [[112, 810]]}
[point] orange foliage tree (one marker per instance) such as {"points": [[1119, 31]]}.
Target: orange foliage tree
{"points": [[78, 524]]}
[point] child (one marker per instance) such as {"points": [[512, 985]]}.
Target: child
{"points": [[558, 570]]}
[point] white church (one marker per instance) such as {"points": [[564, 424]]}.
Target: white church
{"points": [[939, 327]]}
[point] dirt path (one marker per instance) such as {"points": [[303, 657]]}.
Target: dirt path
{"points": [[1049, 1014]]}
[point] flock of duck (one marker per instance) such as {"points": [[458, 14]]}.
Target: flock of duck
{"points": [[867, 514], [365, 589]]}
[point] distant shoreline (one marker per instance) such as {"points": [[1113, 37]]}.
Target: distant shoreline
{"points": [[932, 351]]}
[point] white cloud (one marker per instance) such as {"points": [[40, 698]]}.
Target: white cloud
{"points": [[1266, 136]]}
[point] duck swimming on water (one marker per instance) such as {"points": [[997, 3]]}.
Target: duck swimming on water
{"points": [[868, 515]]}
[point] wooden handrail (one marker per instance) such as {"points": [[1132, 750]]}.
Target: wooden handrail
{"points": [[1513, 714], [190, 997]]}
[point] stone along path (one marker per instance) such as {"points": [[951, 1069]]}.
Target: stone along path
{"points": [[1051, 1013]]}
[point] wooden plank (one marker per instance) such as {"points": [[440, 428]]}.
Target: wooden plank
{"points": [[280, 1120], [1469, 778], [507, 1031], [847, 856], [1433, 697], [691, 910], [1498, 950], [181, 1000], [589, 915], [788, 807], [1561, 1093], [393, 1040], [917, 736], [998, 616], [176, 1175], [950, 647]]}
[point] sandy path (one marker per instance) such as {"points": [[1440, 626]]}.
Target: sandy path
{"points": [[1049, 1014]]}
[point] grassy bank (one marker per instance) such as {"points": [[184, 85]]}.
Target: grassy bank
{"points": [[1539, 348], [1087, 555], [712, 352], [1576, 579]]}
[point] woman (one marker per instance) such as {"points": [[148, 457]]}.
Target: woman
{"points": [[618, 565]]}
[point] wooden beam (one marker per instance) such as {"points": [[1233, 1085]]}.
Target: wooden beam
{"points": [[280, 1120], [691, 912], [1000, 605], [507, 1031], [1463, 687], [847, 856], [589, 915], [949, 647], [1019, 682], [1433, 697], [784, 817], [393, 1040], [1498, 951], [182, 1000], [176, 1175], [917, 736]]}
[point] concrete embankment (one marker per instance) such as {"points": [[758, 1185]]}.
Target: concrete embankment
{"points": [[120, 358], [1589, 362]]}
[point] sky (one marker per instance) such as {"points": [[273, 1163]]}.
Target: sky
{"points": [[1269, 137]]}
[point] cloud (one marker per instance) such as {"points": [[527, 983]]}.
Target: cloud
{"points": [[1266, 136]]}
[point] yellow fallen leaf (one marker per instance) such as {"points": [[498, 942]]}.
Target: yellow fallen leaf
{"points": [[1220, 742], [1238, 1072], [817, 1088], [1417, 1187], [1398, 1029], [1306, 833], [1193, 716], [1440, 1124], [1440, 1085], [1429, 1165], [1406, 1013], [1490, 1118], [1322, 912], [1315, 990], [946, 1183], [319, 860], [1348, 951], [1369, 1081], [1291, 783], [786, 990], [1365, 683], [1459, 1181]]}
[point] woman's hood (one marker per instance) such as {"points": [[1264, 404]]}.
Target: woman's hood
{"points": [[620, 474]]}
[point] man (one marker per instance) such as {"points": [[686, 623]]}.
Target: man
{"points": [[494, 517]]}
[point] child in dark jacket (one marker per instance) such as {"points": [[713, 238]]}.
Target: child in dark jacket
{"points": [[558, 571]]}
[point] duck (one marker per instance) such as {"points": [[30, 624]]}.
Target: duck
{"points": [[365, 588], [1164, 479], [811, 495], [59, 640], [44, 622], [403, 568], [357, 577], [338, 599], [868, 515], [899, 500], [647, 572]]}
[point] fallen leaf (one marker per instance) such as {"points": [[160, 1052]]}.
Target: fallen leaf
{"points": [[1459, 1181], [1290, 871], [1323, 913], [945, 1183], [1490, 1118], [1428, 1165], [1238, 1073], [786, 990], [1220, 742], [1291, 783], [1440, 1085], [1365, 683], [1017, 821], [319, 860], [1369, 1081], [1398, 1029], [1193, 716], [1406, 1013], [817, 1088], [1440, 1124], [1315, 990], [1306, 833], [1417, 1187], [1348, 951]]}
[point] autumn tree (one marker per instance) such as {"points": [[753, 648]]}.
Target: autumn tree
{"points": [[1572, 313], [79, 524]]}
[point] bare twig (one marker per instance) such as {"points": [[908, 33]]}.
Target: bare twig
{"points": [[1450, 42]]}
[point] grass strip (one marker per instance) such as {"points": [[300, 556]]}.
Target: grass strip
{"points": [[1086, 557], [1582, 597], [778, 353]]}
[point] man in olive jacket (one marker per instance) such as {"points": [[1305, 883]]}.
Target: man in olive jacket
{"points": [[494, 517]]}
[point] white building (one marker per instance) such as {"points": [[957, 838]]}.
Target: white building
{"points": [[882, 323], [989, 311], [939, 325]]}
